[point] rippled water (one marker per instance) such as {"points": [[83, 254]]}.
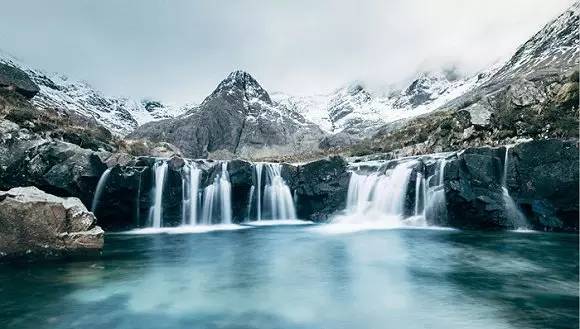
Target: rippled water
{"points": [[304, 277]]}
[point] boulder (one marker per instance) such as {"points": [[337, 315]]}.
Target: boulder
{"points": [[15, 79], [473, 190], [321, 188], [38, 225], [125, 198], [59, 168]]}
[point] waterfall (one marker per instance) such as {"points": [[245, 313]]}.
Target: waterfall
{"points": [[218, 192], [258, 168], [277, 194], [157, 208], [512, 211], [276, 201], [433, 195], [419, 184], [99, 190], [377, 196], [190, 192]]}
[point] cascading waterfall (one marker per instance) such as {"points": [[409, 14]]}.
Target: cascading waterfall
{"points": [[512, 211], [378, 197], [276, 201], [419, 188], [157, 208], [190, 193], [99, 190], [258, 169], [218, 192], [277, 194], [434, 194]]}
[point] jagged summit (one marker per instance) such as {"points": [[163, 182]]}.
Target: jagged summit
{"points": [[240, 84]]}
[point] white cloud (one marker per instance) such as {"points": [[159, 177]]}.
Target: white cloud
{"points": [[179, 50]]}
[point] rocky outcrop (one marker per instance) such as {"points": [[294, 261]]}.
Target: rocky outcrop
{"points": [[59, 168], [473, 190], [237, 120], [37, 225], [321, 188], [541, 180], [13, 78]]}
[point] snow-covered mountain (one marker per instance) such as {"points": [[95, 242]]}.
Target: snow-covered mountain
{"points": [[356, 111], [237, 119], [120, 115], [554, 49], [359, 112], [244, 116]]}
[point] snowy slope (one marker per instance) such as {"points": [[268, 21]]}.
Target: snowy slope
{"points": [[357, 111], [120, 115], [554, 48]]}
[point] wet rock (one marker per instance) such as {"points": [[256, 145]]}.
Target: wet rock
{"points": [[176, 162], [541, 181], [37, 225], [125, 198], [473, 191], [321, 188], [242, 178], [545, 182]]}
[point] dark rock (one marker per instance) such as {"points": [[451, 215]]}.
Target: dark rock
{"points": [[545, 180], [15, 79], [542, 180], [176, 162], [37, 225], [473, 190], [321, 188], [125, 199], [59, 168], [241, 178]]}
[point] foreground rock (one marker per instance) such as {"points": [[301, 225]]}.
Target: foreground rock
{"points": [[37, 225]]}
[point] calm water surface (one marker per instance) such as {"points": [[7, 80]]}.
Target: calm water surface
{"points": [[304, 277]]}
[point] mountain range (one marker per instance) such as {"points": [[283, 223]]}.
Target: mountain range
{"points": [[241, 119]]}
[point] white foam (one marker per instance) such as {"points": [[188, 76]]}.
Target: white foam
{"points": [[278, 222], [186, 229], [524, 230]]}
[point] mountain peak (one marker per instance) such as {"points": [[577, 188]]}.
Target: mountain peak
{"points": [[241, 84]]}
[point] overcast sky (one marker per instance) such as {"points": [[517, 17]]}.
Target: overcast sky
{"points": [[178, 51]]}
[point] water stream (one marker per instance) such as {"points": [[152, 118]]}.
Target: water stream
{"points": [[99, 190]]}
